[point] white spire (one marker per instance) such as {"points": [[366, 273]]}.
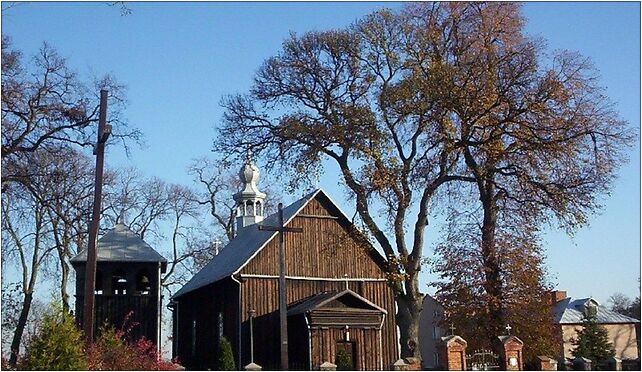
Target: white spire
{"points": [[249, 201]]}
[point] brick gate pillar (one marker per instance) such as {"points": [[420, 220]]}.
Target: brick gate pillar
{"points": [[452, 353], [510, 353]]}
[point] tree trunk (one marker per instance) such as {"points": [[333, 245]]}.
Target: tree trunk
{"points": [[20, 328], [492, 270], [63, 285], [409, 309]]}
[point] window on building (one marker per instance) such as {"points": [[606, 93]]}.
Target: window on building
{"points": [[219, 324], [143, 282], [435, 333], [99, 283], [259, 209], [119, 282]]}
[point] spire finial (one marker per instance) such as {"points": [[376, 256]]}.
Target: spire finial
{"points": [[248, 156]]}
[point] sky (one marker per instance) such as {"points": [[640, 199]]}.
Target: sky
{"points": [[179, 59]]}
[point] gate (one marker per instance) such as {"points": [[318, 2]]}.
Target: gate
{"points": [[482, 360]]}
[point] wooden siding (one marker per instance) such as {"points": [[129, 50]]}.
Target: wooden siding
{"points": [[261, 295], [136, 311], [324, 249], [368, 349], [204, 306]]}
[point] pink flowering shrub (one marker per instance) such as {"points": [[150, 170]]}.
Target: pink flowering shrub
{"points": [[112, 351]]}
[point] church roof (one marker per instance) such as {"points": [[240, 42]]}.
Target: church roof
{"points": [[571, 311], [247, 243], [120, 244]]}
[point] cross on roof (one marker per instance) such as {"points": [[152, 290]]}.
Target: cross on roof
{"points": [[508, 328], [452, 329]]}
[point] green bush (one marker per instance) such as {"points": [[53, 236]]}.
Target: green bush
{"points": [[343, 361], [225, 360], [57, 344]]}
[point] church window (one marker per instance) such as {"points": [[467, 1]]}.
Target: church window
{"points": [[99, 282], [119, 282], [249, 208], [143, 282], [220, 325], [259, 209]]}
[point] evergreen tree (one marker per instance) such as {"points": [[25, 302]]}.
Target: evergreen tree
{"points": [[225, 360], [343, 361], [592, 341], [57, 345]]}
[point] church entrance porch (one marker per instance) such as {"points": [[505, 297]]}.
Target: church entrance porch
{"points": [[322, 325]]}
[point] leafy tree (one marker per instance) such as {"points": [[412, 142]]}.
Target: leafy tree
{"points": [[460, 287], [437, 96], [225, 361], [592, 341], [57, 345]]}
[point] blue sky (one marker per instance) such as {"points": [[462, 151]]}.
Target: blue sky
{"points": [[179, 59]]}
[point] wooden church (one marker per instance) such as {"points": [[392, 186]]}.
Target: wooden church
{"points": [[128, 274], [336, 291]]}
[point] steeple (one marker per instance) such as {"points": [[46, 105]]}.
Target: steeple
{"points": [[249, 201]]}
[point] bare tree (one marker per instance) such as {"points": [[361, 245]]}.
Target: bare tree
{"points": [[218, 181], [27, 240], [45, 102]]}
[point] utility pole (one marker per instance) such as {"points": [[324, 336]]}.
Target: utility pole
{"points": [[104, 130], [283, 315]]}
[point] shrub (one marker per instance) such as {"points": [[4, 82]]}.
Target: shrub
{"points": [[56, 345], [225, 360], [112, 352], [343, 361]]}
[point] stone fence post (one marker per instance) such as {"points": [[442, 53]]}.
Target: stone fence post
{"points": [[614, 364], [510, 353], [253, 367], [547, 363], [452, 353], [582, 364], [327, 366]]}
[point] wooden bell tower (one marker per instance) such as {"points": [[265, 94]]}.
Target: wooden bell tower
{"points": [[128, 276]]}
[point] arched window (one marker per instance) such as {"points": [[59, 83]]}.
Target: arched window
{"points": [[99, 283], [259, 209], [249, 208], [143, 282], [119, 282]]}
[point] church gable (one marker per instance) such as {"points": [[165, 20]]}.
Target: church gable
{"points": [[325, 249]]}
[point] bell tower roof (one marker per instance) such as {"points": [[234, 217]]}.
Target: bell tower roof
{"points": [[121, 244], [249, 200], [249, 177]]}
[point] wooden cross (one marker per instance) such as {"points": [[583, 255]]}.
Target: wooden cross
{"points": [[283, 316], [508, 328]]}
